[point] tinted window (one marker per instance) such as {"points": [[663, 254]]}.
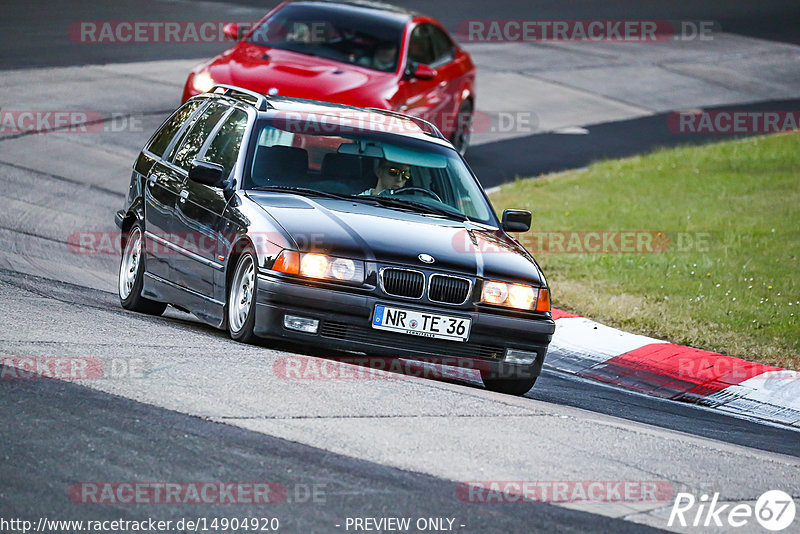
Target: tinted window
{"points": [[224, 149], [194, 140], [420, 47], [442, 46], [350, 164], [165, 134]]}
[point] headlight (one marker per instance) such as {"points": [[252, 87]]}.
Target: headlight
{"points": [[314, 265], [320, 266], [523, 297], [518, 296], [203, 81], [494, 292], [343, 269]]}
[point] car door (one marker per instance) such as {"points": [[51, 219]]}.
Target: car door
{"points": [[449, 73], [428, 99], [205, 206], [198, 209], [161, 189]]}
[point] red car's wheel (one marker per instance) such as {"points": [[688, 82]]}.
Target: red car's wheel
{"points": [[463, 133]]}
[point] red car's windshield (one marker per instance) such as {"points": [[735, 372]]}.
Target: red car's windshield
{"points": [[339, 33]]}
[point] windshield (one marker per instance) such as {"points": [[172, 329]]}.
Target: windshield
{"points": [[389, 170], [338, 33]]}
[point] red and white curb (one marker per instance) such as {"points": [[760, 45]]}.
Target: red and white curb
{"points": [[591, 350]]}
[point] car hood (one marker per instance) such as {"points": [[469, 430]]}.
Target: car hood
{"points": [[299, 75], [397, 237]]}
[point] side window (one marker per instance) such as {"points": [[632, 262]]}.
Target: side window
{"points": [[224, 149], [194, 140], [420, 47], [443, 48], [162, 138]]}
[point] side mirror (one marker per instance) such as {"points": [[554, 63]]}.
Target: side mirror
{"points": [[424, 72], [231, 31], [206, 173], [516, 220]]}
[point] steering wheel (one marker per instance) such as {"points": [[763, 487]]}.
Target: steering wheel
{"points": [[404, 190]]}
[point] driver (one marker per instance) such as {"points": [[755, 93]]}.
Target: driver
{"points": [[384, 57], [391, 176]]}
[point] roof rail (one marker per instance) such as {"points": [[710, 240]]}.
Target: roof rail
{"points": [[261, 102], [422, 123]]}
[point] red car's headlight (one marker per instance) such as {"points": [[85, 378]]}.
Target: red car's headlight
{"points": [[202, 81]]}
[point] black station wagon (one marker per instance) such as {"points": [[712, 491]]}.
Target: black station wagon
{"points": [[339, 227]]}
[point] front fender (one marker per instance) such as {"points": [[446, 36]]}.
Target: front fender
{"points": [[246, 223]]}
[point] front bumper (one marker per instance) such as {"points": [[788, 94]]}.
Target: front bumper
{"points": [[345, 324]]}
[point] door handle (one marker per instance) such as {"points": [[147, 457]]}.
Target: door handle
{"points": [[152, 179], [184, 194]]}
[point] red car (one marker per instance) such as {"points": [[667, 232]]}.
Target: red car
{"points": [[365, 54]]}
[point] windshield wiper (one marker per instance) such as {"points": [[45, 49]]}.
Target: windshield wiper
{"points": [[303, 191], [418, 207]]}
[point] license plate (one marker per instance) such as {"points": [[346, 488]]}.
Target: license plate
{"points": [[417, 323]]}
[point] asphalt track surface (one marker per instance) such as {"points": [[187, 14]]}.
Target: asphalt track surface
{"points": [[61, 443], [55, 434]]}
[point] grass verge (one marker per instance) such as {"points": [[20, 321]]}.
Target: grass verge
{"points": [[723, 274]]}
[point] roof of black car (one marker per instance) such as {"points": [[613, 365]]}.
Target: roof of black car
{"points": [[300, 112], [329, 114]]}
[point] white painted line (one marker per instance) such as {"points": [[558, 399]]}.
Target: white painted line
{"points": [[571, 130]]}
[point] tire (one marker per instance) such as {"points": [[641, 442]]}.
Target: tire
{"points": [[131, 276], [518, 385], [240, 309], [461, 137]]}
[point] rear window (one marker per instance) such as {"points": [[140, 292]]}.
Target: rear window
{"points": [[201, 129], [164, 135], [224, 149]]}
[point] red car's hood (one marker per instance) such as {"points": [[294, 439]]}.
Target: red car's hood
{"points": [[300, 75]]}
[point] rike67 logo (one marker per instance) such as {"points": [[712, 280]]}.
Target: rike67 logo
{"points": [[774, 510]]}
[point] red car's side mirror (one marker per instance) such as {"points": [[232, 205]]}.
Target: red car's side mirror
{"points": [[231, 31], [424, 72]]}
